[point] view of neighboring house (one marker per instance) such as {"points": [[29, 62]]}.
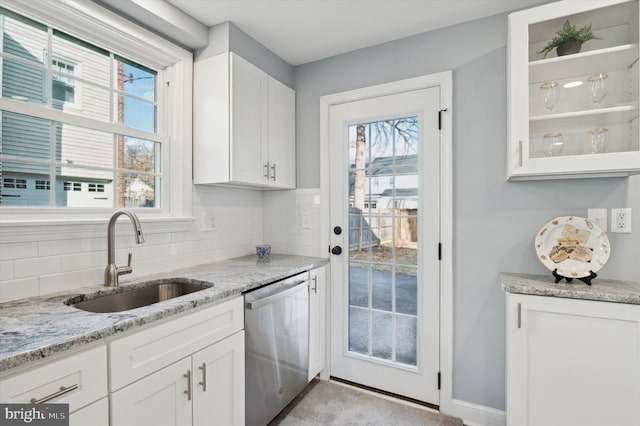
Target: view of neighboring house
{"points": [[388, 181]]}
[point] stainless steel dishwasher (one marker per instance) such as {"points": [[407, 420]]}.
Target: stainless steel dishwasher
{"points": [[276, 323]]}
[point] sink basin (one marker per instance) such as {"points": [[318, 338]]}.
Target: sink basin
{"points": [[149, 294]]}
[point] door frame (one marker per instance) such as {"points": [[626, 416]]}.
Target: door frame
{"points": [[445, 81]]}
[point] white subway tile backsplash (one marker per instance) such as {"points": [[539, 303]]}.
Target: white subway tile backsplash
{"points": [[79, 261], [6, 270], [72, 245], [36, 266], [11, 251], [243, 218], [70, 280], [18, 289]]}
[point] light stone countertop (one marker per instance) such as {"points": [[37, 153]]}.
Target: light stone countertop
{"points": [[601, 289], [38, 327]]}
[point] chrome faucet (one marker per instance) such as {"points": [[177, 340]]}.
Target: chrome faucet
{"points": [[112, 272]]}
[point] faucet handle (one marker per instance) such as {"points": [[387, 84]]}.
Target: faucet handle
{"points": [[129, 259]]}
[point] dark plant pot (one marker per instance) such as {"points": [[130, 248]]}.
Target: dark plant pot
{"points": [[569, 48]]}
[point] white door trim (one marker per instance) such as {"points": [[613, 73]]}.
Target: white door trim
{"points": [[445, 81]]}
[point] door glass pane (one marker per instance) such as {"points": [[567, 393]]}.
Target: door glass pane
{"points": [[383, 239]]}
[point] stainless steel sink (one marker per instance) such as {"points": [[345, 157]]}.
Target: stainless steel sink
{"points": [[149, 294]]}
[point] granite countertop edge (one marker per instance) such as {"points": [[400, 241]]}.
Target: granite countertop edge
{"points": [[604, 290], [39, 327]]}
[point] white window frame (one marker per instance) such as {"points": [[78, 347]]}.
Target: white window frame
{"points": [[96, 25], [76, 77]]}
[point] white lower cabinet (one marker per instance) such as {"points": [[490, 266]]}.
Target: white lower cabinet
{"points": [[96, 414], [202, 386], [572, 362], [157, 400], [206, 388], [218, 384], [317, 318], [73, 380]]}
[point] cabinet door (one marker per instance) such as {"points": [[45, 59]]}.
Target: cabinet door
{"points": [[219, 383], [317, 338], [282, 149], [160, 399], [249, 123], [96, 414], [211, 125], [558, 125], [572, 362]]}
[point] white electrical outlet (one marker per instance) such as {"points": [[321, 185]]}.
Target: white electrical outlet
{"points": [[209, 223], [599, 217], [621, 220]]}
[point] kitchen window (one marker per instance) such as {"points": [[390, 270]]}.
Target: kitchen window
{"points": [[87, 97]]}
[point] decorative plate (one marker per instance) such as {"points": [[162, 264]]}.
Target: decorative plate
{"points": [[572, 246]]}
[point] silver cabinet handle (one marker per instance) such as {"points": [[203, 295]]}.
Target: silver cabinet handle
{"points": [[520, 154], [188, 391], [203, 383], [519, 315], [266, 170], [315, 283], [62, 391], [273, 168], [270, 299]]}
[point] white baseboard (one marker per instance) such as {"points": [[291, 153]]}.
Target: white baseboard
{"points": [[474, 414]]}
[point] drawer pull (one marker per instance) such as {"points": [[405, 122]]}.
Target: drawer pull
{"points": [[203, 383], [48, 398], [519, 315], [188, 391]]}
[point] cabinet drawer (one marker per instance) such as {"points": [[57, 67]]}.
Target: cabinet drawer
{"points": [[83, 374], [140, 354]]}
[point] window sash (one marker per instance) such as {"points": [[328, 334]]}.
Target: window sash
{"points": [[101, 27]]}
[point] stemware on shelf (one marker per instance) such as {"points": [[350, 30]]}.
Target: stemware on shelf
{"points": [[549, 92], [597, 88], [597, 140], [552, 144]]}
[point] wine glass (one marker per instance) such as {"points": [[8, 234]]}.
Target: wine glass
{"points": [[549, 93], [597, 140], [598, 88], [552, 143]]}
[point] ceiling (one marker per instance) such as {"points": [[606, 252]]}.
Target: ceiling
{"points": [[301, 31]]}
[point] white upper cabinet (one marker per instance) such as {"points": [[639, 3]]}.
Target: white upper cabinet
{"points": [[574, 115], [282, 138], [243, 125]]}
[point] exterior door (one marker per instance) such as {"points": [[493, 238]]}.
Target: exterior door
{"points": [[385, 198]]}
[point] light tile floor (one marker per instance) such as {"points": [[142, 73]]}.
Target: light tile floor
{"points": [[332, 403]]}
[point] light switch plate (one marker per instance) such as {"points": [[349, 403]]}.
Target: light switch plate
{"points": [[621, 220], [599, 217]]}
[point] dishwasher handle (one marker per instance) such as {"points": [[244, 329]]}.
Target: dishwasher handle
{"points": [[272, 298]]}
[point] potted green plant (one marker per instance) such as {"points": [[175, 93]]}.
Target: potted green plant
{"points": [[569, 39]]}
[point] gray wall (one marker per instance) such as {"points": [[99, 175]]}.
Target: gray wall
{"points": [[228, 37], [494, 221]]}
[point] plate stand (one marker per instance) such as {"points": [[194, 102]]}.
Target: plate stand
{"points": [[586, 280]]}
